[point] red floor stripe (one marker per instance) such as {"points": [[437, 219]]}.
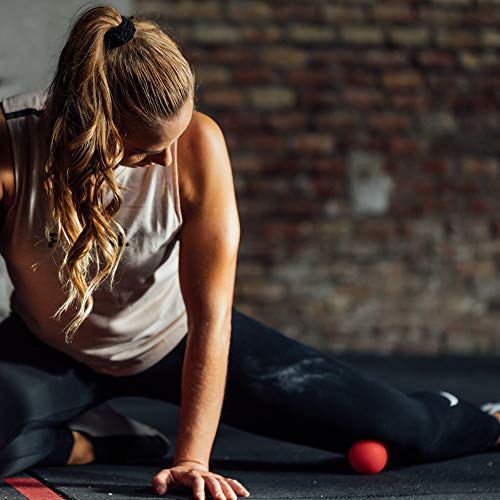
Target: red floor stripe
{"points": [[31, 488]]}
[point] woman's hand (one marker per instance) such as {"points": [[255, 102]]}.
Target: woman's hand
{"points": [[194, 475]]}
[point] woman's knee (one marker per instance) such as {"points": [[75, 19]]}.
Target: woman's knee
{"points": [[27, 449], [14, 416]]}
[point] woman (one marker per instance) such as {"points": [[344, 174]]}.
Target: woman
{"points": [[79, 212]]}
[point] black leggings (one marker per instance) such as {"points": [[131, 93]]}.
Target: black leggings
{"points": [[276, 387]]}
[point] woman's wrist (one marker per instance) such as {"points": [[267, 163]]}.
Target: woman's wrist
{"points": [[190, 461]]}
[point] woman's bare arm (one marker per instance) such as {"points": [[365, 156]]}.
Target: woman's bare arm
{"points": [[209, 241]]}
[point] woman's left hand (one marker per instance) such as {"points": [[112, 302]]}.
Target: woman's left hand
{"points": [[194, 475]]}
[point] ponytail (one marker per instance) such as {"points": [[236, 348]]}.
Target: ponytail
{"points": [[95, 84]]}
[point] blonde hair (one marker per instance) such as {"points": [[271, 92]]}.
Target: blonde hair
{"points": [[146, 78]]}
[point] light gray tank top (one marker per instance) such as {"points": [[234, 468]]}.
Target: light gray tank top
{"points": [[143, 317]]}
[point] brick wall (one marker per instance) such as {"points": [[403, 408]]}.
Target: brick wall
{"points": [[364, 138]]}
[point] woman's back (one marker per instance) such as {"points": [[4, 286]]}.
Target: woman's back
{"points": [[6, 168]]}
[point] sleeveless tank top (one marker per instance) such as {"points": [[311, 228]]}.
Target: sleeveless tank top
{"points": [[143, 317]]}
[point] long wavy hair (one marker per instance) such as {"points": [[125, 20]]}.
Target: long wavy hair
{"points": [[148, 79]]}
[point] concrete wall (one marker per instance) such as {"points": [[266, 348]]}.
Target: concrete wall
{"points": [[32, 34]]}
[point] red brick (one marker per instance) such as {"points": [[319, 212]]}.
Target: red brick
{"points": [[361, 77], [311, 33], [311, 78], [403, 146], [396, 12], [284, 56], [225, 55], [385, 57], [472, 60], [249, 10], [287, 164], [286, 121], [261, 34], [483, 16], [402, 79], [333, 165], [297, 12], [344, 56], [256, 142], [457, 38], [222, 97], [212, 73], [272, 97], [478, 205], [440, 16], [240, 122], [326, 186], [454, 3], [388, 122], [184, 9], [362, 35], [341, 120], [437, 167], [247, 162], [255, 75], [344, 13], [415, 36], [411, 102], [490, 38], [480, 166], [318, 100], [217, 34], [368, 98], [313, 142], [436, 59], [375, 228], [280, 229]]}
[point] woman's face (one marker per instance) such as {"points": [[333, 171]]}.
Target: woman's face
{"points": [[149, 147]]}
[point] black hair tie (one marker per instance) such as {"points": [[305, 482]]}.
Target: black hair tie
{"points": [[121, 34]]}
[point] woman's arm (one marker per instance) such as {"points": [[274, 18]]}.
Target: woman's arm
{"points": [[209, 241]]}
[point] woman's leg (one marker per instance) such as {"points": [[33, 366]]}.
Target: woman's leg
{"points": [[40, 390], [41, 447], [283, 389]]}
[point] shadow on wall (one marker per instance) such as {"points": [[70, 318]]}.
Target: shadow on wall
{"points": [[32, 35]]}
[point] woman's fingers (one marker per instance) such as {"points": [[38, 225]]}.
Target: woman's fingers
{"points": [[161, 480], [215, 488], [198, 487], [221, 488], [238, 487], [226, 488]]}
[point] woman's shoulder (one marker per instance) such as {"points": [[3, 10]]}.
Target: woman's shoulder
{"points": [[202, 139], [201, 131], [14, 107], [6, 164]]}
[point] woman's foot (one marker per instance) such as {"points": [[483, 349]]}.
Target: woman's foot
{"points": [[115, 438], [83, 450], [497, 416], [494, 410]]}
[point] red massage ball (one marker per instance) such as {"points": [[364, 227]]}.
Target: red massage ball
{"points": [[367, 457]]}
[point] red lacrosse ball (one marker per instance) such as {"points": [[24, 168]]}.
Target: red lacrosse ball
{"points": [[367, 457]]}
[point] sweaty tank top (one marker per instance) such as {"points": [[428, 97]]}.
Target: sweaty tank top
{"points": [[143, 317]]}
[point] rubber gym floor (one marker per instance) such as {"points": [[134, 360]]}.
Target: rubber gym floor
{"points": [[272, 469]]}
